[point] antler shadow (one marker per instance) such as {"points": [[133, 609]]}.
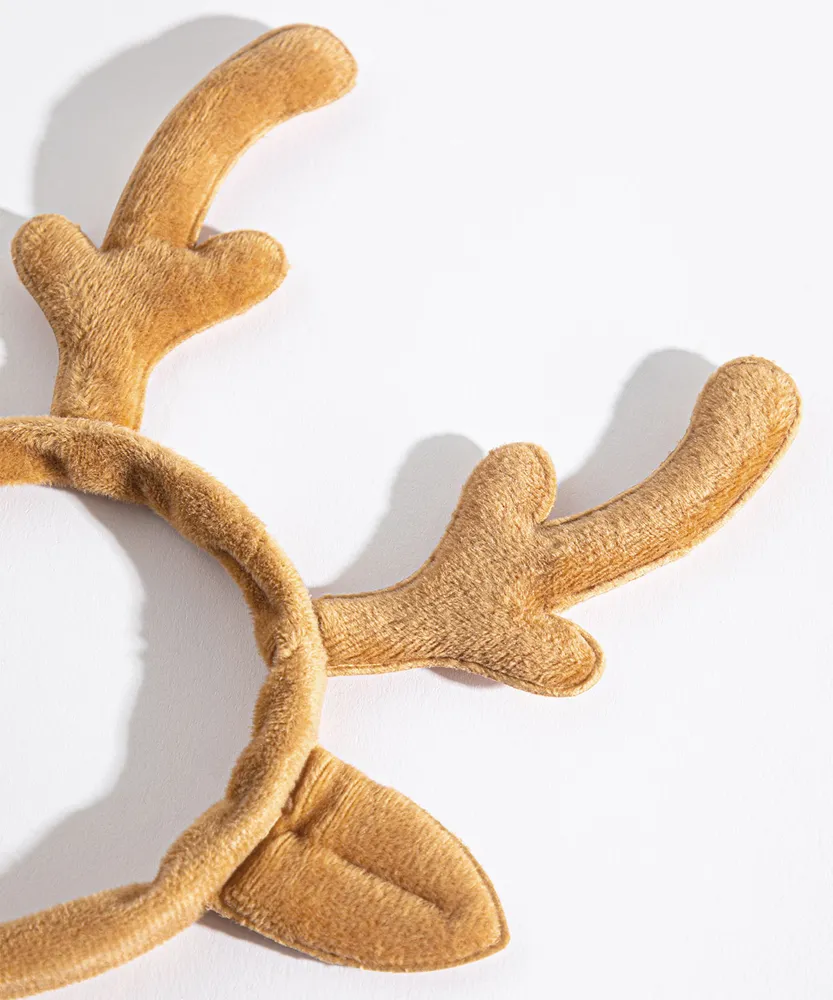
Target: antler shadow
{"points": [[184, 691], [649, 418], [281, 852], [125, 97], [28, 353]]}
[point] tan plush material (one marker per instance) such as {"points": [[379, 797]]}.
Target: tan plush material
{"points": [[303, 848], [80, 939], [486, 598], [345, 845], [116, 311]]}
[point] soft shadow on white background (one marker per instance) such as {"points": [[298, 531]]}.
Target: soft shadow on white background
{"points": [[633, 832], [182, 711], [192, 710]]}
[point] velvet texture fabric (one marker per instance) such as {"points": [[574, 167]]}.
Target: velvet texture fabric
{"points": [[303, 848]]}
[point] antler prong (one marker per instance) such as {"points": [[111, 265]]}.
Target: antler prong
{"points": [[117, 311], [277, 76], [487, 598]]}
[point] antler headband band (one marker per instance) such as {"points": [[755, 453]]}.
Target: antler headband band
{"points": [[303, 848]]}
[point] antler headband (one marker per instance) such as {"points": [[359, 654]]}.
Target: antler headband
{"points": [[303, 848]]}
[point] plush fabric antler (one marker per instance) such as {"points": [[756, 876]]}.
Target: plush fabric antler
{"points": [[117, 311], [302, 847], [486, 599]]}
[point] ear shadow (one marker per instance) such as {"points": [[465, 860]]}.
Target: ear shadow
{"points": [[214, 922]]}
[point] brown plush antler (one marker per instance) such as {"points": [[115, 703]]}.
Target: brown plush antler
{"points": [[118, 310], [486, 599], [302, 847]]}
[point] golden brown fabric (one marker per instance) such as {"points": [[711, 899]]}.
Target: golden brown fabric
{"points": [[486, 598], [118, 310], [76, 940], [416, 898], [302, 847]]}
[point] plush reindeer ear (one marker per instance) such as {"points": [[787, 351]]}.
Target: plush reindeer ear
{"points": [[486, 600], [357, 874]]}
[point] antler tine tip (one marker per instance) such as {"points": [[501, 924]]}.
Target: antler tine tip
{"points": [[763, 370]]}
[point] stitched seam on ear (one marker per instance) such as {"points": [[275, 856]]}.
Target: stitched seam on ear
{"points": [[314, 839], [253, 915], [300, 944]]}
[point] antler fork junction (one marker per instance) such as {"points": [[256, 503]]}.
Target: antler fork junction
{"points": [[303, 848]]}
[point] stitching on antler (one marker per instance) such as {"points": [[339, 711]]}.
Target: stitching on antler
{"points": [[486, 599], [303, 848], [118, 310]]}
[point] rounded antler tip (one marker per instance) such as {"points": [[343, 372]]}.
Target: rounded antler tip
{"points": [[322, 39], [560, 660], [766, 373], [593, 662], [49, 252], [46, 232], [755, 388], [323, 67], [516, 480]]}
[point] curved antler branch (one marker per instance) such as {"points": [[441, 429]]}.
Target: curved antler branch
{"points": [[277, 76], [486, 599], [744, 420], [117, 311]]}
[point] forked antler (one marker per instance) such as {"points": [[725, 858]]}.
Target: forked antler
{"points": [[486, 600], [302, 847], [118, 310]]}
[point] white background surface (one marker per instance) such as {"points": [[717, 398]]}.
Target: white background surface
{"points": [[542, 222]]}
